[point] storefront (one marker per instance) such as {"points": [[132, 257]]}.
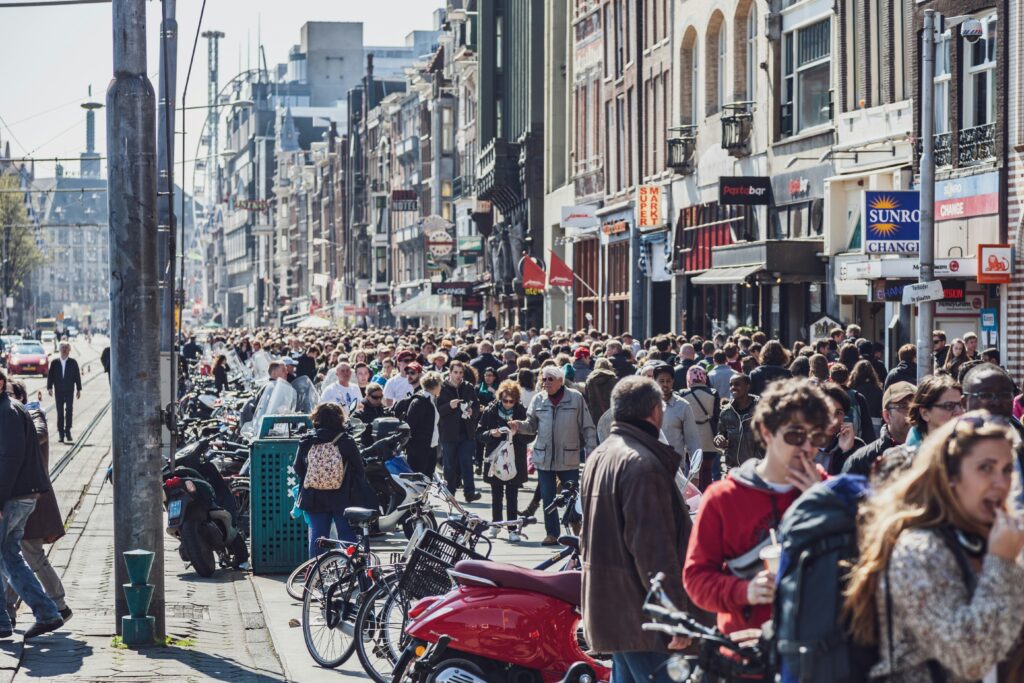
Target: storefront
{"points": [[616, 234], [654, 260]]}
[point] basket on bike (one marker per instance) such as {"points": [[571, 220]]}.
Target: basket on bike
{"points": [[426, 572]]}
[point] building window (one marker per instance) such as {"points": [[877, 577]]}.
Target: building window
{"points": [[620, 29], [751, 75], [499, 45], [807, 77], [499, 121], [942, 83], [980, 77], [447, 137], [714, 87], [620, 146]]}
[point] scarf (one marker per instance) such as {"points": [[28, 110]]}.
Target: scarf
{"points": [[505, 414]]}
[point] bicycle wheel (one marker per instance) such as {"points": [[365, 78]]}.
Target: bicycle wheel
{"points": [[380, 628], [297, 579], [329, 605]]}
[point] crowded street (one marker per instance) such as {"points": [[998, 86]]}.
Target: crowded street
{"points": [[512, 341]]}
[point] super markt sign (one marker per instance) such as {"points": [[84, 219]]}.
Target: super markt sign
{"points": [[892, 221]]}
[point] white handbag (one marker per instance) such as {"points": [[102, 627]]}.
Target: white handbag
{"points": [[503, 461]]}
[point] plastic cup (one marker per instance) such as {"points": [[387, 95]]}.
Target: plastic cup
{"points": [[770, 555]]}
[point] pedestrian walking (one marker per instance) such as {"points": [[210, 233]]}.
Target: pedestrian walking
{"points": [[723, 572], [896, 425], [936, 588], [720, 375], [458, 410], [635, 525], [735, 425], [499, 414], [598, 387], [423, 418], [774, 367], [220, 373], [329, 467], [45, 525], [105, 362], [22, 480], [678, 422], [906, 369], [559, 419], [343, 392], [938, 400], [64, 382], [706, 409]]}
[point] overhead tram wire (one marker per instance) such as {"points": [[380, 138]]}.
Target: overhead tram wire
{"points": [[52, 3]]}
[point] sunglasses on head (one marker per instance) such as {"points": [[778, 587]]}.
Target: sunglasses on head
{"points": [[798, 436]]}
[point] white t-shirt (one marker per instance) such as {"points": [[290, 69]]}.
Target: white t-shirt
{"points": [[343, 396], [397, 388]]}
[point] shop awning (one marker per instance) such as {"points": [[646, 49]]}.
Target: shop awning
{"points": [[423, 305], [727, 275]]}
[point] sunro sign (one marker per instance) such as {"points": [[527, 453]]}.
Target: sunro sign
{"points": [[892, 222]]}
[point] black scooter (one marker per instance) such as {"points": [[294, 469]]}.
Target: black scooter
{"points": [[201, 512]]}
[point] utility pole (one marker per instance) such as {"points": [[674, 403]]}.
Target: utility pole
{"points": [[926, 309], [167, 228], [134, 306]]}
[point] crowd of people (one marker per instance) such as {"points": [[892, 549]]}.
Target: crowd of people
{"points": [[623, 416]]}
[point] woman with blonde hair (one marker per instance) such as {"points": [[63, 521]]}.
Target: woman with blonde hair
{"points": [[938, 584]]}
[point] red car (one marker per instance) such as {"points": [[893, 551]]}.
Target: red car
{"points": [[27, 358]]}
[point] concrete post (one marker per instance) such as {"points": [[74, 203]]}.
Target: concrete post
{"points": [[134, 306]]}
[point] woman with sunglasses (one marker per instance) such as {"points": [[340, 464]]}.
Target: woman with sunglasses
{"points": [[723, 571], [937, 584], [489, 432], [938, 400]]}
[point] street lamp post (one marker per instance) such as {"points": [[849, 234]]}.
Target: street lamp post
{"points": [[926, 309]]}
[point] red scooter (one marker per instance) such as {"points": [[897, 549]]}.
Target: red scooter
{"points": [[503, 624]]}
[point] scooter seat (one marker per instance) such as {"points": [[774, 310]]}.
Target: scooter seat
{"points": [[570, 542], [564, 586], [359, 516]]}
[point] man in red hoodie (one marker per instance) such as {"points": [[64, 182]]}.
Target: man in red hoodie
{"points": [[723, 572]]}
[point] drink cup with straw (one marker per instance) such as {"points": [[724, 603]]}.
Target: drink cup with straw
{"points": [[770, 554]]}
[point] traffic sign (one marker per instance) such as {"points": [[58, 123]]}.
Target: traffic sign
{"points": [[920, 292]]}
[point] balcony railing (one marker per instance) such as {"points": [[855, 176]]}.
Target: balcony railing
{"points": [[976, 145], [681, 146], [737, 124], [943, 149], [463, 186]]}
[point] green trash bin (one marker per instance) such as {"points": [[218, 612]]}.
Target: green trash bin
{"points": [[278, 541]]}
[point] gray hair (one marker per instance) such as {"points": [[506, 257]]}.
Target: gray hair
{"points": [[634, 398], [65, 345]]}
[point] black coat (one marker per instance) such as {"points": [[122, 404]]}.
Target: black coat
{"points": [[220, 378], [420, 418], [763, 375], [21, 464], [448, 426], [492, 420], [63, 382], [621, 365], [863, 459], [482, 362], [316, 500], [903, 372], [306, 366]]}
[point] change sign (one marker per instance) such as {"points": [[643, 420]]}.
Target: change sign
{"points": [[892, 222]]}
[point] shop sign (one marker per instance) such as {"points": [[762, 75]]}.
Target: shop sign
{"points": [[648, 207], [252, 204], [452, 288], [584, 216], [615, 228], [745, 190], [888, 290], [440, 243], [969, 307], [954, 290], [976, 195], [989, 320], [906, 268], [470, 244], [995, 263], [893, 221], [473, 303]]}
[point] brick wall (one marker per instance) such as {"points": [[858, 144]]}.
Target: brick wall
{"points": [[1014, 360]]}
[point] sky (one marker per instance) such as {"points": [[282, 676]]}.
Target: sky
{"points": [[49, 56]]}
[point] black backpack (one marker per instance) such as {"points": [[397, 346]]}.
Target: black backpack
{"points": [[819, 547]]}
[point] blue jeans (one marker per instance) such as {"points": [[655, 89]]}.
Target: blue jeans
{"points": [[320, 527], [457, 461], [639, 667], [13, 568], [548, 490]]}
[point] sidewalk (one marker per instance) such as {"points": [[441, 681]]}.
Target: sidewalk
{"points": [[218, 631], [284, 614]]}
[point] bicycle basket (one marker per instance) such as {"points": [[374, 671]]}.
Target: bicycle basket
{"points": [[426, 573]]}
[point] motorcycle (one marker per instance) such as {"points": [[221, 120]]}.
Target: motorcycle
{"points": [[202, 512], [501, 625], [402, 494]]}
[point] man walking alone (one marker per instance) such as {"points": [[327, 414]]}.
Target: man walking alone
{"points": [[66, 380]]}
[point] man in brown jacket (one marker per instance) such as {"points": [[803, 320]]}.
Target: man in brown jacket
{"points": [[45, 524], [635, 524]]}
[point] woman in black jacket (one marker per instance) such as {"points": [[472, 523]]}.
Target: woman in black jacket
{"points": [[326, 506], [422, 418], [507, 407], [220, 374], [774, 359]]}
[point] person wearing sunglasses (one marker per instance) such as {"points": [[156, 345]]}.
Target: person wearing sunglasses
{"points": [[369, 410], [938, 400], [939, 565], [723, 571], [490, 433]]}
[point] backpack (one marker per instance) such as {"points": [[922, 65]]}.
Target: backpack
{"points": [[819, 547], [855, 411], [716, 405], [325, 466]]}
